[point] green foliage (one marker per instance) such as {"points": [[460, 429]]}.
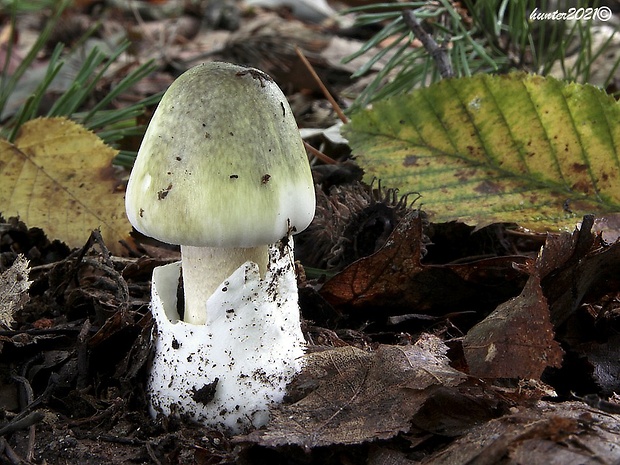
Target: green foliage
{"points": [[518, 148], [26, 6], [75, 100], [485, 36]]}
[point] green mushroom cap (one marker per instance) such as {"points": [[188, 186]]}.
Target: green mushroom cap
{"points": [[222, 163]]}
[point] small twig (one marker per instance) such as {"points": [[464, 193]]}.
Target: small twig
{"points": [[439, 53], [320, 155], [29, 421], [28, 393], [32, 437], [110, 438], [151, 452], [33, 418], [49, 389], [19, 423], [82, 355], [124, 261], [38, 332], [10, 453], [138, 17], [105, 264], [117, 405], [316, 77]]}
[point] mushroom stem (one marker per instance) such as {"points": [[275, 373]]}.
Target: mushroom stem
{"points": [[206, 268]]}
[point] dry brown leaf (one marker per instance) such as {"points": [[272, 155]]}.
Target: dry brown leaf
{"points": [[605, 361], [516, 340], [14, 285], [573, 266], [384, 273], [357, 396], [395, 280], [567, 433], [58, 176]]}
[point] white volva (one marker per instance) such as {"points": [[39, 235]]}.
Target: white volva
{"points": [[228, 371]]}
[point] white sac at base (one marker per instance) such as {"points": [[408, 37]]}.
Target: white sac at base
{"points": [[226, 373]]}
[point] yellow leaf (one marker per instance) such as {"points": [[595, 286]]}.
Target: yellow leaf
{"points": [[514, 148], [58, 176]]}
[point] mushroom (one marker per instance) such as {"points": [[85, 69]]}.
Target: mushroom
{"points": [[222, 171]]}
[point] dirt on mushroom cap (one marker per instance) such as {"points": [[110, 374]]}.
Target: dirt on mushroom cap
{"points": [[222, 162]]}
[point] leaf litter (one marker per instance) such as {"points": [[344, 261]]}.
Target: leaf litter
{"points": [[351, 396], [348, 396], [90, 312]]}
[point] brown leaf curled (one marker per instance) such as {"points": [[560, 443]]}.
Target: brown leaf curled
{"points": [[516, 340], [357, 396]]}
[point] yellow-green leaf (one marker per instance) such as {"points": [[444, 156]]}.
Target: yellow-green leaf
{"points": [[513, 148], [58, 176]]}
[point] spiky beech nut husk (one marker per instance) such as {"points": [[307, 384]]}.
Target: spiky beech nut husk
{"points": [[352, 221]]}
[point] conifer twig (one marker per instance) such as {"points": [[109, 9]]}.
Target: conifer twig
{"points": [[439, 53], [316, 77]]}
